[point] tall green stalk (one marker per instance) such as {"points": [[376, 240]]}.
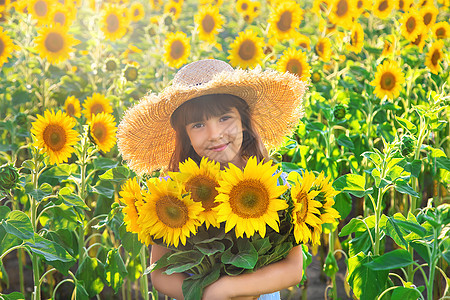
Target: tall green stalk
{"points": [[144, 281]]}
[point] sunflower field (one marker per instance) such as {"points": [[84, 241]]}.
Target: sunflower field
{"points": [[376, 123]]}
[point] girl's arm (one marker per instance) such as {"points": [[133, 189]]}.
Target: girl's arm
{"points": [[169, 285], [268, 279]]}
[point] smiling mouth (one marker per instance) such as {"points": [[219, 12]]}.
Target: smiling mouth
{"points": [[219, 148]]}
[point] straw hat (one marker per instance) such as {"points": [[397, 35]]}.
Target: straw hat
{"points": [[146, 139]]}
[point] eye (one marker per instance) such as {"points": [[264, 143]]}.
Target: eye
{"points": [[197, 125], [224, 118]]}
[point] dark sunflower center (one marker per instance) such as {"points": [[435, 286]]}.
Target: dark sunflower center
{"points": [[319, 48], [203, 189], [171, 211], [302, 201], [60, 18], [440, 33], [285, 21], [435, 58], [41, 8], [54, 42], [411, 24], [99, 131], [303, 45], [173, 10], [383, 6], [71, 109], [247, 50], [2, 47], [323, 6], [249, 199], [131, 74], [427, 18], [295, 67], [387, 46], [342, 8], [354, 39], [54, 137], [136, 12], [97, 108], [208, 23], [387, 81], [244, 6], [359, 4], [176, 50], [112, 23], [401, 4], [418, 40]]}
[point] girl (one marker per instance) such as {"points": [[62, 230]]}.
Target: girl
{"points": [[226, 115]]}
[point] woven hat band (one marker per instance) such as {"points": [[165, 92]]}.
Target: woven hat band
{"points": [[200, 72]]}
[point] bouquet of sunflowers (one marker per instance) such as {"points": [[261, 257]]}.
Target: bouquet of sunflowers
{"points": [[228, 221]]}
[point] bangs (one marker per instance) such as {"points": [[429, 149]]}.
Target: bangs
{"points": [[204, 108]]}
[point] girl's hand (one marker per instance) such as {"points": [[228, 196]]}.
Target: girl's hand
{"points": [[222, 289]]}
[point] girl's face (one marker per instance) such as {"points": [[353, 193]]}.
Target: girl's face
{"points": [[218, 138]]}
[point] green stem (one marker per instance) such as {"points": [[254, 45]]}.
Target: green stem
{"points": [[376, 250], [433, 259], [20, 251], [34, 220]]}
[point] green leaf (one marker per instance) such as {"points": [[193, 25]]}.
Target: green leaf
{"points": [[262, 245], [345, 141], [103, 163], [330, 267], [61, 172], [413, 167], [316, 126], [402, 293], [42, 192], [7, 241], [443, 163], [4, 211], [130, 241], [407, 125], [91, 273], [410, 226], [29, 164], [245, 257], [343, 204], [290, 167], [391, 260], [117, 174], [71, 199], [366, 283], [183, 261], [193, 286], [422, 249], [210, 248], [353, 184], [395, 233], [355, 225], [12, 296], [403, 187], [52, 253], [115, 270], [80, 291], [446, 256], [374, 157], [105, 188], [19, 224]]}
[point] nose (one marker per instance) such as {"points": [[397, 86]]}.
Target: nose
{"points": [[214, 131]]}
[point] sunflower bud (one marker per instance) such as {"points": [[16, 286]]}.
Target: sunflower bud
{"points": [[21, 119], [168, 20], [111, 65], [152, 30], [407, 146], [339, 112], [131, 73], [9, 177], [315, 77]]}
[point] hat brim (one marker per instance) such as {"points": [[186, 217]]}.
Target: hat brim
{"points": [[147, 140]]}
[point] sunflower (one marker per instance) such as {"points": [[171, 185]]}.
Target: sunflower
{"points": [[306, 214], [209, 22], [131, 72], [323, 48], [72, 107], [295, 62], [404, 5], [362, 6], [284, 19], [356, 39], [156, 4], [383, 8], [63, 15], [54, 43], [4, 5], [388, 80], [243, 6], [201, 182], [95, 105], [420, 40], [321, 7], [412, 25], [248, 199], [434, 56], [390, 43], [342, 13], [177, 49], [103, 131], [326, 196], [441, 30], [247, 50], [173, 8], [302, 41], [131, 196], [54, 134], [429, 14], [6, 47], [40, 10], [114, 24], [168, 213], [137, 11]]}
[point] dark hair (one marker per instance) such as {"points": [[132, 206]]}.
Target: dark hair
{"points": [[203, 108]]}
